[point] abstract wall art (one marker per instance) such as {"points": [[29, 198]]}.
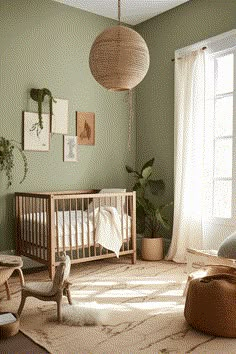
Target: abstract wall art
{"points": [[85, 128], [35, 138], [70, 148]]}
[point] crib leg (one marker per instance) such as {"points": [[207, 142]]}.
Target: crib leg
{"points": [[134, 257], [51, 271]]}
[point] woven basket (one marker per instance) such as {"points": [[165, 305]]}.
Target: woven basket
{"points": [[119, 58], [9, 329]]}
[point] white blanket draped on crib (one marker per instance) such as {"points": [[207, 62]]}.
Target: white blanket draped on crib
{"points": [[108, 229]]}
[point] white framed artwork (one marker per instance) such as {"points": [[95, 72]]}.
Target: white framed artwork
{"points": [[35, 138], [60, 116], [70, 148]]}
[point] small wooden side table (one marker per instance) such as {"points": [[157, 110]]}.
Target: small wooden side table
{"points": [[8, 264]]}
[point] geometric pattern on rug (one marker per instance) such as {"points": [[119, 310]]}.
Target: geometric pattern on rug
{"points": [[140, 309]]}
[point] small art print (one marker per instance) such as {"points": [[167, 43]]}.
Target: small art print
{"points": [[70, 148], [35, 138], [60, 116], [85, 128]]}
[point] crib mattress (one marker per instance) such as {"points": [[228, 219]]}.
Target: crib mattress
{"points": [[72, 228]]}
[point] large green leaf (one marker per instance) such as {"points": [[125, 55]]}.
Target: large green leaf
{"points": [[147, 164], [146, 173], [156, 186], [142, 181], [129, 169], [162, 207], [148, 207], [162, 219]]}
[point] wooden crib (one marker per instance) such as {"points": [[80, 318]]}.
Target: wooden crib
{"points": [[48, 224]]}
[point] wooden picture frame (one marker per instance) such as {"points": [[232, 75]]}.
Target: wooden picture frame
{"points": [[70, 151], [60, 116], [34, 138], [85, 124]]}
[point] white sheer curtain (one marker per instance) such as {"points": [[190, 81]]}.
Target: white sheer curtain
{"points": [[189, 155]]}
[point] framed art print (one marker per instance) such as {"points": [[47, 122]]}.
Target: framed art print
{"points": [[85, 128], [60, 116], [35, 138], [70, 148]]}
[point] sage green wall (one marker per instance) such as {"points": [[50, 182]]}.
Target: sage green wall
{"points": [[46, 44], [182, 26]]}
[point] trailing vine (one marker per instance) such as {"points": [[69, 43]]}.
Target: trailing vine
{"points": [[38, 96], [7, 158]]}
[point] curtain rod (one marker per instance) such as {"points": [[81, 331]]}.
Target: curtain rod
{"points": [[203, 48]]}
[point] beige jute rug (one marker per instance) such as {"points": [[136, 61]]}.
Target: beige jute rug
{"points": [[140, 309]]}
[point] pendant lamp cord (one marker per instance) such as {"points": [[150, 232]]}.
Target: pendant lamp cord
{"points": [[119, 11], [131, 117]]}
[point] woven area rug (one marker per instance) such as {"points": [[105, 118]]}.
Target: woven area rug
{"points": [[140, 308]]}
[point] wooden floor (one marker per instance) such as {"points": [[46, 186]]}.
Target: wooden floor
{"points": [[20, 344]]}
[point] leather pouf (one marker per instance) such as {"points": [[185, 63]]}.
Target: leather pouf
{"points": [[210, 305]]}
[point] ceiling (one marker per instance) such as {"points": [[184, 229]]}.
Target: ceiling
{"points": [[132, 11]]}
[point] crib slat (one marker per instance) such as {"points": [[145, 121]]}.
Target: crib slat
{"points": [[17, 231], [109, 198], [70, 230], [38, 240], [88, 229], [82, 217], [25, 222], [57, 229], [35, 236], [76, 228], [31, 223], [133, 227], [63, 224], [127, 221], [50, 222], [122, 222], [43, 229], [94, 231], [99, 209]]}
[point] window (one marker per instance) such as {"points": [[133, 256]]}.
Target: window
{"points": [[220, 135]]}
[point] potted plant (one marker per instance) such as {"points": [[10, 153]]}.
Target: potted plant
{"points": [[7, 158], [150, 218]]}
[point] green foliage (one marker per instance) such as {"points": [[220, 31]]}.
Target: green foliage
{"points": [[7, 158], [149, 216], [38, 96]]}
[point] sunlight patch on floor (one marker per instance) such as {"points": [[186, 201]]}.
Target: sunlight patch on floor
{"points": [[126, 293], [178, 292], [147, 282], [98, 283], [83, 293], [107, 306], [153, 305]]}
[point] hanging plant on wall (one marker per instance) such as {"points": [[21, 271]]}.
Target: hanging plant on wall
{"points": [[7, 158], [38, 95]]}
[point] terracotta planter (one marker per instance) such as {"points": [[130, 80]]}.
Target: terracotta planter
{"points": [[152, 249]]}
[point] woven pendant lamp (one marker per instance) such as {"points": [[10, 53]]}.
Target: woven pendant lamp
{"points": [[119, 58]]}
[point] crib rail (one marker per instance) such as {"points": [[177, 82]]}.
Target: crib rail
{"points": [[33, 226], [48, 224]]}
